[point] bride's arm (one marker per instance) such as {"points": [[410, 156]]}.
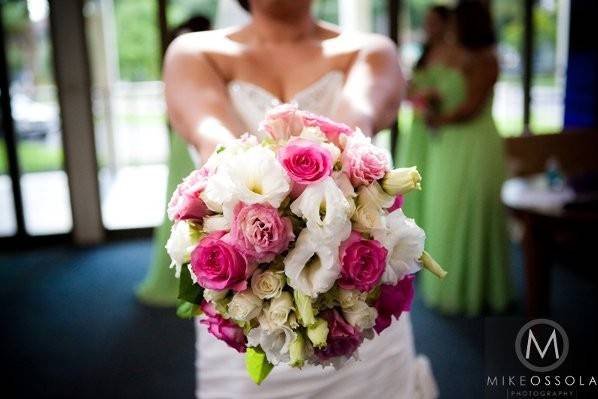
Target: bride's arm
{"points": [[198, 104], [373, 88]]}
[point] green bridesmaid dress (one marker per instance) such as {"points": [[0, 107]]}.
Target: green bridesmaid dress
{"points": [[464, 218], [160, 287], [413, 148]]}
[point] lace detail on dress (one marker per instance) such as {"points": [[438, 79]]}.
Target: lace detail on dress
{"points": [[252, 101]]}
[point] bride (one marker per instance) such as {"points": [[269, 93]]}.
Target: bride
{"points": [[218, 85]]}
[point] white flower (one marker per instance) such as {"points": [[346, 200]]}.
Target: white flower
{"points": [[313, 133], [367, 218], [179, 245], [279, 309], [311, 274], [402, 181], [267, 284], [344, 183], [215, 223], [335, 152], [373, 195], [405, 243], [361, 315], [326, 211], [253, 177], [275, 343], [231, 149], [348, 298], [371, 202], [214, 295], [244, 306]]}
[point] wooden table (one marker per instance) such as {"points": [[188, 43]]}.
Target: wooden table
{"points": [[546, 221]]}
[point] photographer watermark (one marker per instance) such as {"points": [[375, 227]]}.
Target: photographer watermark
{"points": [[554, 352], [540, 346]]}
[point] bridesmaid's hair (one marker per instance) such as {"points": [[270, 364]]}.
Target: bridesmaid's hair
{"points": [[444, 13], [475, 29], [244, 4]]}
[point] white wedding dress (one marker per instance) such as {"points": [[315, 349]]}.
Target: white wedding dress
{"points": [[388, 366]]}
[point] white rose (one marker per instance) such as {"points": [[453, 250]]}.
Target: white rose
{"points": [[313, 133], [275, 343], [215, 223], [335, 152], [361, 315], [214, 295], [179, 245], [279, 309], [267, 284], [348, 298], [405, 243], [244, 306], [371, 202]]}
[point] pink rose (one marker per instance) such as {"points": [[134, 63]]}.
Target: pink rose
{"points": [[364, 162], [223, 329], [218, 265], [343, 339], [331, 129], [282, 122], [259, 232], [398, 204], [362, 263], [185, 202], [393, 300], [305, 161]]}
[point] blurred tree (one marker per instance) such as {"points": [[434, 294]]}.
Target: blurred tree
{"points": [[138, 40]]}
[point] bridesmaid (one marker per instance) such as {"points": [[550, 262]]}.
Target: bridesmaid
{"points": [[413, 144], [464, 219]]}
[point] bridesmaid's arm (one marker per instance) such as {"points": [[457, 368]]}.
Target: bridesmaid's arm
{"points": [[373, 88], [198, 104], [481, 75]]}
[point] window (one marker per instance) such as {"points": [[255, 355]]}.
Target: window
{"points": [[36, 117]]}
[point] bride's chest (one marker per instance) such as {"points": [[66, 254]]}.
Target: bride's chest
{"points": [[282, 72]]}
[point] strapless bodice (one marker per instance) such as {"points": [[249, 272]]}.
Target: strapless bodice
{"points": [[252, 101]]}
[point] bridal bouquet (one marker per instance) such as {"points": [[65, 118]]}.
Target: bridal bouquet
{"points": [[294, 248]]}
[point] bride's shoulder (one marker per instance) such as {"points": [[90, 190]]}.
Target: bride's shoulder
{"points": [[215, 42], [362, 42]]}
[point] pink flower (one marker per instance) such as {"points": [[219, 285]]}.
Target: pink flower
{"points": [[305, 161], [259, 232], [218, 265], [331, 129], [362, 263], [343, 339], [185, 202], [393, 300], [398, 204], [364, 162], [223, 329], [282, 122]]}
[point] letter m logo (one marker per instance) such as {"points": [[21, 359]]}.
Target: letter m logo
{"points": [[551, 340]]}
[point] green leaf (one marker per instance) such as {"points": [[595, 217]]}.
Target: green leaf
{"points": [[187, 310], [188, 290], [257, 365]]}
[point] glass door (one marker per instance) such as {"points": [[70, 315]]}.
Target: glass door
{"points": [[35, 124]]}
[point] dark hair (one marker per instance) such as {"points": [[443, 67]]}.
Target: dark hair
{"points": [[475, 28], [196, 23], [444, 13], [244, 4]]}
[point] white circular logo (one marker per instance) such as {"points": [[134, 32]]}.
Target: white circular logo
{"points": [[542, 345]]}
